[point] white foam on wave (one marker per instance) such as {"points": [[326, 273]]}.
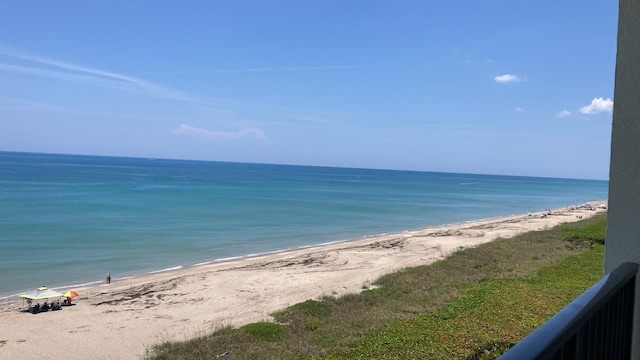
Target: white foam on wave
{"points": [[267, 253], [165, 270], [373, 236], [228, 258], [322, 244], [202, 263], [66, 287], [8, 297], [57, 288]]}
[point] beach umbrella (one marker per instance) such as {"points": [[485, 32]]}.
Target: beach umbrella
{"points": [[70, 293]]}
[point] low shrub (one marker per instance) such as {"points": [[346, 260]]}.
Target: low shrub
{"points": [[265, 331]]}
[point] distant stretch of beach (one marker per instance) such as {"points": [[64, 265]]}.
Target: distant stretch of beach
{"points": [[122, 319]]}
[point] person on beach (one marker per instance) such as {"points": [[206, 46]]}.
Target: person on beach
{"points": [[108, 278]]}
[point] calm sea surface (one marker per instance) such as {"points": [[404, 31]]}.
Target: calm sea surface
{"points": [[67, 220]]}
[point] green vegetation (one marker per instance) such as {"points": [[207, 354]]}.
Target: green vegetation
{"points": [[473, 305], [593, 233], [265, 331]]}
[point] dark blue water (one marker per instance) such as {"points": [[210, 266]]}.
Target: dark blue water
{"points": [[67, 219]]}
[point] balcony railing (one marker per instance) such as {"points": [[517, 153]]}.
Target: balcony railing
{"points": [[597, 325]]}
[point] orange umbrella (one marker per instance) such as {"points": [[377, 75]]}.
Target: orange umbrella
{"points": [[70, 293]]}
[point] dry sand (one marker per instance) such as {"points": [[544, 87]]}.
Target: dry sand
{"points": [[123, 319]]}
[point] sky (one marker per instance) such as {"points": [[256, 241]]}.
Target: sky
{"points": [[491, 87]]}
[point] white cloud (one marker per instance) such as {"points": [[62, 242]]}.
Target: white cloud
{"points": [[51, 68], [189, 130], [564, 113], [519, 109], [507, 78], [598, 105]]}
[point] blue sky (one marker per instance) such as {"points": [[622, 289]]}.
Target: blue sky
{"points": [[495, 87]]}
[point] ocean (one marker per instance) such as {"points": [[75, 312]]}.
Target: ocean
{"points": [[68, 220]]}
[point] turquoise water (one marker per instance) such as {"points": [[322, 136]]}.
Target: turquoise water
{"points": [[68, 220]]}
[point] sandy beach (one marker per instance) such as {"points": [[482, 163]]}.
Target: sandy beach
{"points": [[122, 319]]}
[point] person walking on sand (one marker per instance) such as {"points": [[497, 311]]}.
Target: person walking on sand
{"points": [[108, 278]]}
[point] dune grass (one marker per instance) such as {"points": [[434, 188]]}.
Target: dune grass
{"points": [[472, 305]]}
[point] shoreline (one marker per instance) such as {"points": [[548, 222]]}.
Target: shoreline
{"points": [[140, 311], [12, 295]]}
